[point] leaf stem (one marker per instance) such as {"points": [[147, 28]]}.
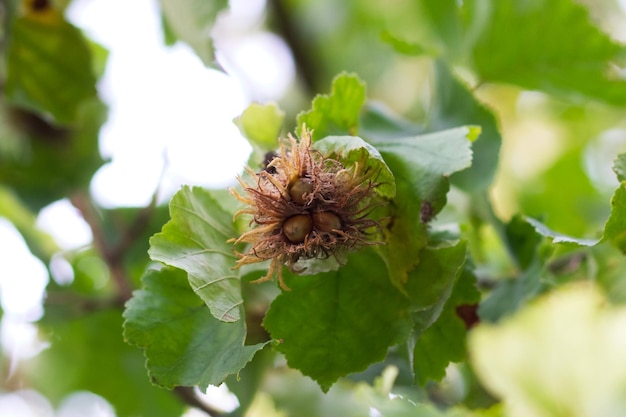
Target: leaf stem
{"points": [[483, 208], [111, 255]]}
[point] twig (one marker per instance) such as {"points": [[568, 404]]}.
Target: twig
{"points": [[188, 395], [113, 258], [304, 62]]}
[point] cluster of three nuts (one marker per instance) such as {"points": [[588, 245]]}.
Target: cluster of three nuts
{"points": [[296, 228]]}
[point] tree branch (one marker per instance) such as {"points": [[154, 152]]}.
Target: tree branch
{"points": [[188, 396], [285, 27], [84, 204]]}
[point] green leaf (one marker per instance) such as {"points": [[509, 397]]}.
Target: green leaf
{"points": [[336, 323], [195, 240], [403, 46], [421, 166], [379, 123], [41, 75], [261, 124], [90, 354], [455, 105], [440, 331], [352, 149], [619, 167], [615, 227], [338, 112], [512, 294], [556, 237], [191, 21], [57, 161], [184, 344], [563, 355], [523, 240], [39, 243], [553, 48], [564, 196]]}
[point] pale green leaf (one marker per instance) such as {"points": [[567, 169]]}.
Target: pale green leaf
{"points": [[403, 46], [352, 149], [192, 21], [195, 240], [556, 237], [619, 167], [554, 48], [338, 112], [184, 344], [564, 355], [261, 124]]}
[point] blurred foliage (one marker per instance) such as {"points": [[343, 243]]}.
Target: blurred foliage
{"points": [[499, 120]]}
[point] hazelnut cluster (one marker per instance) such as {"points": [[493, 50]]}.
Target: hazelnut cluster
{"points": [[305, 205]]}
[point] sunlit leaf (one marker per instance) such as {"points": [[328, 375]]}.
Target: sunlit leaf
{"points": [[192, 21], [556, 237], [541, 361], [261, 124], [338, 112], [620, 167], [352, 149], [559, 51], [195, 240], [184, 343]]}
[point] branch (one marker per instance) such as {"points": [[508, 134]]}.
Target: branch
{"points": [[305, 63], [188, 396], [84, 204]]}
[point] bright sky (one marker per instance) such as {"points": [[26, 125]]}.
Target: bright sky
{"points": [[170, 119]]}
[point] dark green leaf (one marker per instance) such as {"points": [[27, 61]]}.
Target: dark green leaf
{"points": [[352, 149], [336, 323], [88, 353], [615, 227], [511, 294], [554, 48], [444, 341], [379, 123], [195, 240], [454, 105], [41, 75], [523, 240], [338, 112], [421, 166], [56, 161], [183, 342], [191, 21]]}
